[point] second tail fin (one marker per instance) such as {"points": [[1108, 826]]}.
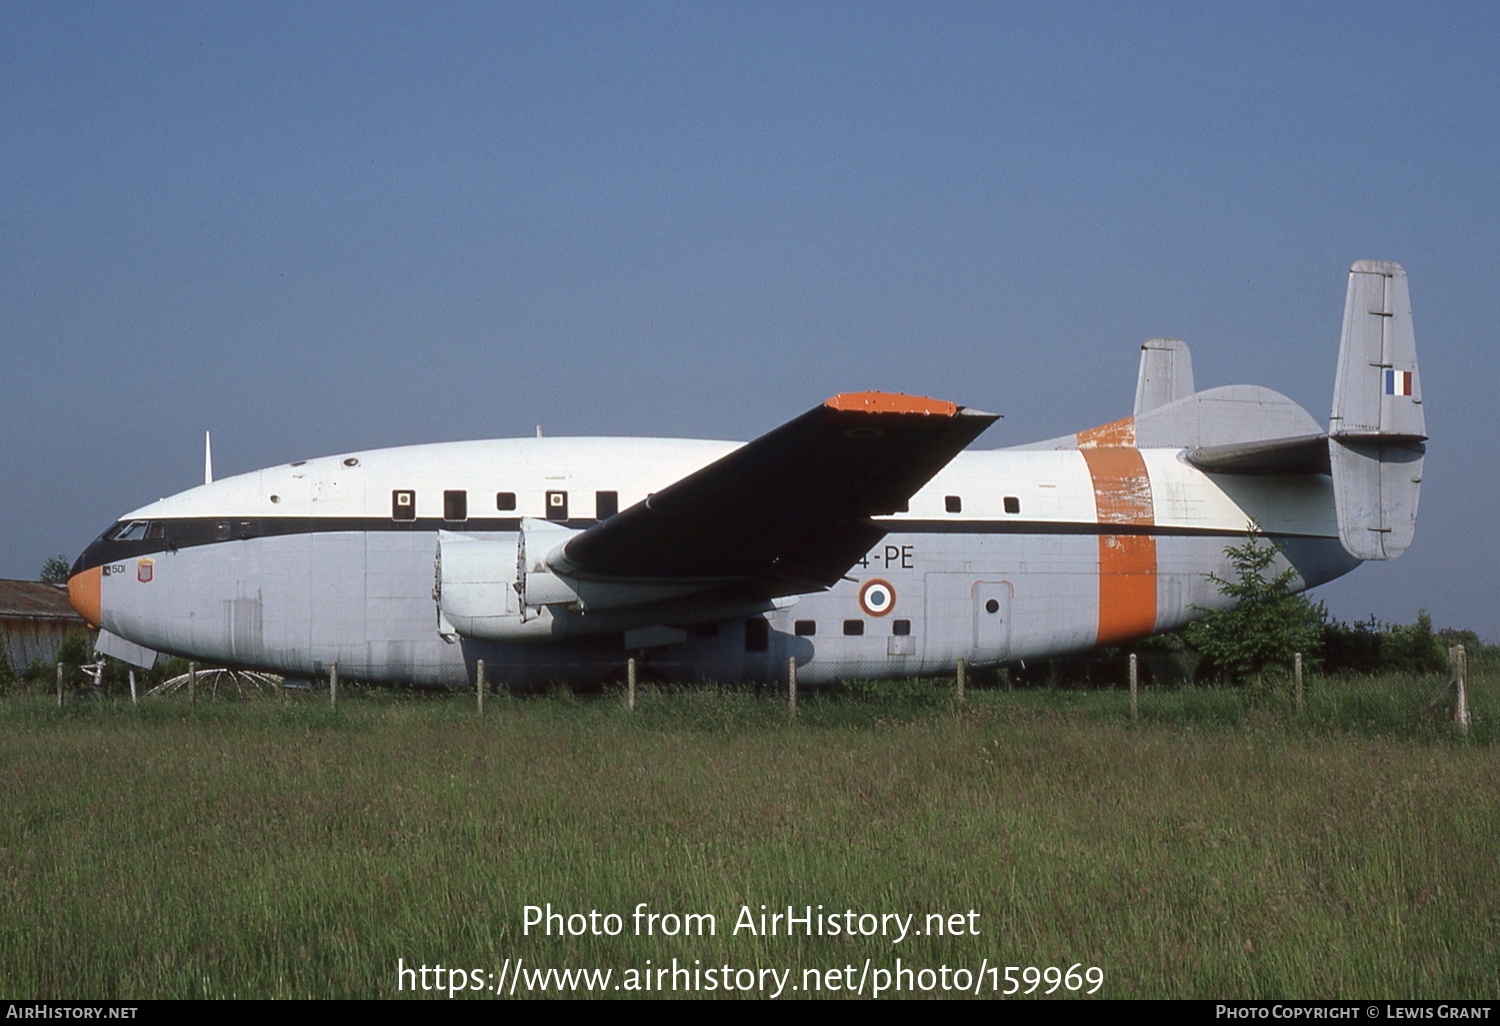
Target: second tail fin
{"points": [[1377, 430]]}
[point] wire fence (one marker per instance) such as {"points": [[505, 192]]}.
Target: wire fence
{"points": [[1152, 686]]}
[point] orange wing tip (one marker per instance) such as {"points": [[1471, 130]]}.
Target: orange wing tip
{"points": [[891, 402], [83, 592]]}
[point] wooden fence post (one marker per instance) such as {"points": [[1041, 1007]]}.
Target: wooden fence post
{"points": [[192, 686], [960, 678], [1134, 686], [59, 684], [630, 683], [1297, 681], [479, 684], [1459, 660], [333, 685], [791, 685]]}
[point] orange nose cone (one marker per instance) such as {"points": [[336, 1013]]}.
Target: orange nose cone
{"points": [[83, 592]]}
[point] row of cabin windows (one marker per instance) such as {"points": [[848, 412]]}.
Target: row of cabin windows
{"points": [[606, 504], [852, 628], [456, 504], [955, 503], [758, 631]]}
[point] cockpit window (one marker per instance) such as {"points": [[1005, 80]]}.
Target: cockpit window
{"points": [[135, 530]]}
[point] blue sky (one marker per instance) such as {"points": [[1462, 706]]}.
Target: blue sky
{"points": [[313, 228]]}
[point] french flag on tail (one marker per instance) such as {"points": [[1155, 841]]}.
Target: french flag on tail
{"points": [[1398, 382]]}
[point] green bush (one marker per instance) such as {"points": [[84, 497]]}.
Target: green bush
{"points": [[1268, 623], [1412, 648]]}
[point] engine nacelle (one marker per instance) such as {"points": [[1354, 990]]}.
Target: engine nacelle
{"points": [[475, 586], [504, 590]]}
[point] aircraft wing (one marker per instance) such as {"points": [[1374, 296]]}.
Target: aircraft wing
{"points": [[789, 512]]}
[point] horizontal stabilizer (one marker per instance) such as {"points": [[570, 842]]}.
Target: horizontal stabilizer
{"points": [[1228, 415], [1305, 454], [1377, 427], [1231, 415]]}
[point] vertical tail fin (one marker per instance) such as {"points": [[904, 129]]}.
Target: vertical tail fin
{"points": [[1377, 431], [1166, 374]]}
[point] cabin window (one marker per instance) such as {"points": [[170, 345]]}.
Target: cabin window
{"points": [[456, 505], [953, 504], [156, 531], [900, 628], [403, 504], [757, 635], [854, 628], [805, 628], [221, 530], [1012, 504], [557, 506], [606, 504], [505, 501]]}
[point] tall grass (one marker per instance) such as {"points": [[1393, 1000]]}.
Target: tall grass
{"points": [[1222, 846]]}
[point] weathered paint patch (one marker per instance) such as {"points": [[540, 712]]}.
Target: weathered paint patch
{"points": [[891, 402], [1127, 562], [1114, 434]]}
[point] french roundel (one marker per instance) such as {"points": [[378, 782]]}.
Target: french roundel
{"points": [[877, 597]]}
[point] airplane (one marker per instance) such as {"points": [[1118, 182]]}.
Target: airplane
{"points": [[861, 540]]}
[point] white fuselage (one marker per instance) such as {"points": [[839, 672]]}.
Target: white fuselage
{"points": [[1003, 555]]}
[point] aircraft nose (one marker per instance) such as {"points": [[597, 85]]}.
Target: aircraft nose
{"points": [[83, 592]]}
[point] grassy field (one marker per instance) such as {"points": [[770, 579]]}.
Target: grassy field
{"points": [[1222, 846]]}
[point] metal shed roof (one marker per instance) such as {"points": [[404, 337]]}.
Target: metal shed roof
{"points": [[35, 600]]}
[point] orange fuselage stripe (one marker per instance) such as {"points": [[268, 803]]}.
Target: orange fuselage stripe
{"points": [[1127, 562]]}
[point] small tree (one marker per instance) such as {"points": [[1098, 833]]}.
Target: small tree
{"points": [[1412, 648], [1268, 624], [55, 570]]}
